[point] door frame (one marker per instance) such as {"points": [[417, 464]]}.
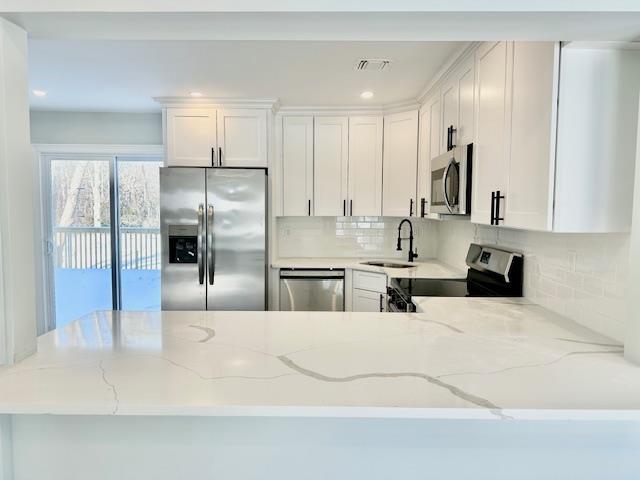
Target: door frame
{"points": [[44, 228]]}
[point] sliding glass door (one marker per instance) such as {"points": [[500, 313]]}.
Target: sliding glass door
{"points": [[103, 235]]}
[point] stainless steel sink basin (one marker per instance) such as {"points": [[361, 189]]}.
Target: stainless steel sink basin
{"points": [[382, 264]]}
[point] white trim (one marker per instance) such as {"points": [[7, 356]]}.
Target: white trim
{"points": [[218, 102], [99, 149]]}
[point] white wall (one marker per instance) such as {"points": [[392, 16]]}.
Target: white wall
{"points": [[583, 277], [17, 209], [373, 237], [96, 128]]}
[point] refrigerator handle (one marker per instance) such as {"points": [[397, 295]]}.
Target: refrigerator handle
{"points": [[211, 248], [200, 244]]}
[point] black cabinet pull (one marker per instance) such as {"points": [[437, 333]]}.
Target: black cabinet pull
{"points": [[309, 207], [450, 132], [351, 207], [493, 208], [344, 208], [219, 156], [423, 204], [498, 198], [213, 157], [381, 300], [411, 207]]}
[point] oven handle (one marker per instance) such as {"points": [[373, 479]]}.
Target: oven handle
{"points": [[444, 184]]}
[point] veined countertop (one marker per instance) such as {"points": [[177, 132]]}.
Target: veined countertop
{"points": [[422, 269], [462, 358]]}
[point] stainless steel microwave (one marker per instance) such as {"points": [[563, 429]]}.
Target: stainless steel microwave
{"points": [[451, 175]]}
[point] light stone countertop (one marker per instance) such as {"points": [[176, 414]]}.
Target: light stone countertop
{"points": [[420, 269], [464, 358]]}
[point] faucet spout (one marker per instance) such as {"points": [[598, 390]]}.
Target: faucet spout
{"points": [[412, 255]]}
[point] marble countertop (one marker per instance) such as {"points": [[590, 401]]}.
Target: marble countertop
{"points": [[422, 269], [461, 358]]}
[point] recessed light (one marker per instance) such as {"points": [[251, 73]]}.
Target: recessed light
{"points": [[366, 95], [40, 93], [195, 94]]}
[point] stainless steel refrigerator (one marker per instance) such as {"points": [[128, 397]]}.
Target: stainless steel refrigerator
{"points": [[213, 227]]}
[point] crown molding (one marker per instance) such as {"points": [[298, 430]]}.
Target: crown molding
{"points": [[456, 59], [208, 102]]}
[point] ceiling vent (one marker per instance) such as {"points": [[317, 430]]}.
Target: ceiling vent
{"points": [[373, 64]]}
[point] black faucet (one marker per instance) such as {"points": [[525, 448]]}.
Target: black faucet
{"points": [[412, 255]]}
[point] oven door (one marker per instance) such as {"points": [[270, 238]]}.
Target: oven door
{"points": [[445, 184]]}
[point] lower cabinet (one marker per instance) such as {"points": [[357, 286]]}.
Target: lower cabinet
{"points": [[366, 301], [369, 292]]}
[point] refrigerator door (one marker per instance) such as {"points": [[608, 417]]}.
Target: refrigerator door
{"points": [[236, 233], [183, 233]]}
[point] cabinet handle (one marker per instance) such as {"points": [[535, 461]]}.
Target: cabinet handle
{"points": [[493, 208], [219, 156], [381, 300], [498, 198], [213, 157], [411, 207], [450, 132], [344, 208], [423, 203], [351, 207], [309, 207]]}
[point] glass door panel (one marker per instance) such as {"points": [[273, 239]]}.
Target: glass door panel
{"points": [[139, 212], [81, 236]]}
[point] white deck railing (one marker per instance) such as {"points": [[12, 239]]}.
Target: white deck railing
{"points": [[90, 247]]}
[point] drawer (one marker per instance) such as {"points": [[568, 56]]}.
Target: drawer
{"points": [[374, 282]]}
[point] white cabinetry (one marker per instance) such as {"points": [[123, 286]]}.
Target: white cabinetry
{"points": [[369, 291], [211, 137], [400, 164], [428, 148], [330, 164], [242, 138], [490, 162], [365, 166], [297, 166], [190, 137]]}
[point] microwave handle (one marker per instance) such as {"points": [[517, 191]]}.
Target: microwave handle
{"points": [[444, 184]]}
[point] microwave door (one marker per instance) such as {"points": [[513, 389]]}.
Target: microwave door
{"points": [[451, 186]]}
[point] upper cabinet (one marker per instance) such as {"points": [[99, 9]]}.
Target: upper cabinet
{"points": [[242, 138], [428, 148], [365, 166], [190, 139], [400, 164], [330, 164], [210, 137], [297, 166]]}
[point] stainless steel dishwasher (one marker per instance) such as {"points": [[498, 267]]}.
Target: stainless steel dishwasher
{"points": [[306, 290]]}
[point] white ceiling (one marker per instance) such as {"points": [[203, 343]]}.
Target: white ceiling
{"points": [[99, 75]]}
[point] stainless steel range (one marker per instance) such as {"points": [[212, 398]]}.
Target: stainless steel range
{"points": [[493, 272]]}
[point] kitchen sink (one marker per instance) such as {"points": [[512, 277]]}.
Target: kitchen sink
{"points": [[375, 263]]}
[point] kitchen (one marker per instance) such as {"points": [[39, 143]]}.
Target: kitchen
{"points": [[392, 243]]}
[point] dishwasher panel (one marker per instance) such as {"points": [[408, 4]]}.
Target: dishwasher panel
{"points": [[312, 290]]}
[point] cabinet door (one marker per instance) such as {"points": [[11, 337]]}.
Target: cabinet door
{"points": [[242, 138], [297, 166], [450, 110], [365, 166], [190, 137], [366, 301], [466, 103], [529, 200], [400, 164], [490, 163], [330, 146], [429, 147]]}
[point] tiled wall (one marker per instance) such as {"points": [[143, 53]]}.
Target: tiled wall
{"points": [[580, 276], [373, 237]]}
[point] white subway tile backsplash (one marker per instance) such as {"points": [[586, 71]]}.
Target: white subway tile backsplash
{"points": [[581, 276], [351, 237]]}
